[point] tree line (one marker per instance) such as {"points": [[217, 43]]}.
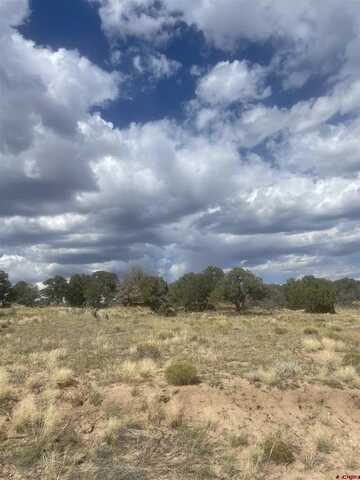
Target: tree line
{"points": [[192, 292]]}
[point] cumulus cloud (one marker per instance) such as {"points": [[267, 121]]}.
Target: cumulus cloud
{"points": [[239, 182], [23, 268], [45, 94], [12, 14], [325, 151], [255, 124], [235, 81], [46, 89], [142, 18], [310, 37]]}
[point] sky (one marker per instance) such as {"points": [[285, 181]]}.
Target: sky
{"points": [[176, 134]]}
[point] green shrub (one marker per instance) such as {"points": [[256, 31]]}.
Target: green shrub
{"points": [[347, 291], [275, 297], [153, 292], [24, 293], [100, 289], [181, 373], [166, 310], [5, 288], [129, 292], [191, 292], [315, 295], [194, 291], [240, 286], [277, 451], [75, 295]]}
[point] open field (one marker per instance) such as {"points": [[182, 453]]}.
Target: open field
{"points": [[84, 398]]}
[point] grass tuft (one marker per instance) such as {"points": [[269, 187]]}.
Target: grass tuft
{"points": [[353, 359], [53, 419], [346, 374], [311, 331], [132, 371], [333, 345], [311, 344], [63, 377], [267, 376], [324, 445], [26, 414], [275, 450], [147, 350], [281, 330], [239, 440], [6, 390], [112, 429]]}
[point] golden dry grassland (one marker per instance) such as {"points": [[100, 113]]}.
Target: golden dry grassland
{"points": [[273, 395]]}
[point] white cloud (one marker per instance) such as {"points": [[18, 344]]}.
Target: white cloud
{"points": [[78, 193], [196, 70], [12, 13], [45, 94], [142, 18], [326, 151], [147, 159], [311, 37], [235, 81], [23, 268], [45, 88], [253, 125], [156, 66], [315, 31]]}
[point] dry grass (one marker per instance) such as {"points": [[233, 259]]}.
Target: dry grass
{"points": [[50, 395], [324, 444], [311, 344], [288, 370], [281, 372], [54, 356], [36, 381], [346, 374], [26, 414], [63, 377], [175, 416], [86, 399], [329, 358], [277, 450], [133, 371], [333, 345], [112, 429], [5, 387], [310, 456], [268, 377], [53, 419], [53, 466], [351, 456]]}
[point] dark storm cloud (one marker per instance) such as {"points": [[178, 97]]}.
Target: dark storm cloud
{"points": [[241, 220], [31, 197]]}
